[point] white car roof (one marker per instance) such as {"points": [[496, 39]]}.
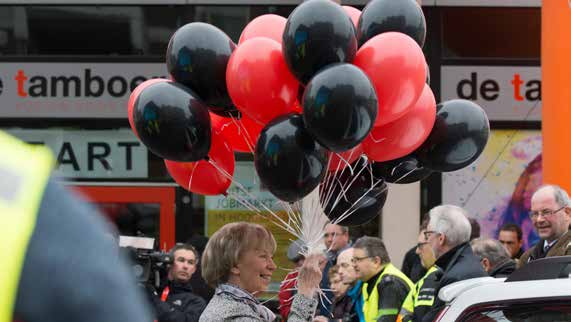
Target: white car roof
{"points": [[467, 293]]}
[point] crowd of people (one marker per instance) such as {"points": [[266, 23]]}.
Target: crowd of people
{"points": [[64, 272], [366, 286]]}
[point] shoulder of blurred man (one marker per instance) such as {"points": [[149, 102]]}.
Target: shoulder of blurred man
{"points": [[72, 269], [504, 269]]}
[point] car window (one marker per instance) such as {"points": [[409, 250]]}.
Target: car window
{"points": [[536, 311]]}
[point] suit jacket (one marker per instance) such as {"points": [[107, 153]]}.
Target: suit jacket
{"points": [[561, 248]]}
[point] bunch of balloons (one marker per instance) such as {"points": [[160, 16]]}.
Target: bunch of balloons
{"points": [[307, 95]]}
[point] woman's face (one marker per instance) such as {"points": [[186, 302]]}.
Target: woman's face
{"points": [[255, 269]]}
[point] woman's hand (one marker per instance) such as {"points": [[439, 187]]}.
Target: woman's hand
{"points": [[310, 275]]}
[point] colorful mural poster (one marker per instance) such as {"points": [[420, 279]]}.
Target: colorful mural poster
{"points": [[220, 210], [497, 188]]}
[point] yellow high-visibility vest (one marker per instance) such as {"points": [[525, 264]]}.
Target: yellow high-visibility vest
{"points": [[412, 299], [371, 301], [24, 173]]}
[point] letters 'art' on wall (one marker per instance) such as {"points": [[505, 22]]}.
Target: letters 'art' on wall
{"points": [[497, 188]]}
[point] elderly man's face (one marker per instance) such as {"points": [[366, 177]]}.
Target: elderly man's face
{"points": [[346, 270], [549, 218], [435, 240], [424, 251]]}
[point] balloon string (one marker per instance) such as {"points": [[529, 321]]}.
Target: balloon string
{"points": [[376, 140], [350, 211], [192, 175], [345, 186], [246, 136], [284, 225], [406, 174], [330, 184]]}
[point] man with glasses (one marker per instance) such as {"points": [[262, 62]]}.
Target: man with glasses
{"points": [[448, 235], [421, 297], [175, 301], [384, 286], [550, 215]]}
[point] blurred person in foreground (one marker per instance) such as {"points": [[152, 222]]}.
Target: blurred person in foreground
{"points": [[448, 235], [494, 257], [174, 301], [62, 264], [238, 262], [422, 296], [384, 286], [551, 215]]}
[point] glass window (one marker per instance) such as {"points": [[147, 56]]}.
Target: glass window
{"points": [[113, 30], [507, 33], [522, 312], [133, 219]]}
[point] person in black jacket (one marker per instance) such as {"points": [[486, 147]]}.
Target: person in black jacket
{"points": [[448, 234], [494, 257], [174, 301]]}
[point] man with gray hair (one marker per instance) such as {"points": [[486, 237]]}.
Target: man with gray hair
{"points": [[448, 234], [494, 257], [550, 215]]}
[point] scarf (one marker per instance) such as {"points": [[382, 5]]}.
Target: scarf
{"points": [[242, 296]]}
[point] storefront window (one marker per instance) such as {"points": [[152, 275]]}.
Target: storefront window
{"points": [[502, 33], [113, 30]]}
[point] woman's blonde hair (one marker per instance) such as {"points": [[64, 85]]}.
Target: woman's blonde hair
{"points": [[228, 244]]}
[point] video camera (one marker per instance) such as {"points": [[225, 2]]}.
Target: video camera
{"points": [[148, 266]]}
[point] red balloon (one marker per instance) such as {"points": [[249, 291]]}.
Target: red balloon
{"points": [[349, 156], [353, 13], [242, 134], [269, 26], [133, 97], [201, 176], [396, 65], [403, 136], [259, 81]]}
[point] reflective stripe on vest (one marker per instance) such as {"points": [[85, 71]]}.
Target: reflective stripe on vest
{"points": [[24, 172], [371, 301], [412, 300]]}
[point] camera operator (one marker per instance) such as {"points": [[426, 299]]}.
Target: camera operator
{"points": [[174, 300]]}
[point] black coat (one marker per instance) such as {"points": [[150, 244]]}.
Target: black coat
{"points": [[503, 270], [181, 304], [412, 267], [457, 264]]}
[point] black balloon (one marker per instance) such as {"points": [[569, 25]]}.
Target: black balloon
{"points": [[172, 122], [317, 33], [459, 136], [340, 107], [402, 170], [197, 56], [404, 16], [289, 162], [364, 203]]}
